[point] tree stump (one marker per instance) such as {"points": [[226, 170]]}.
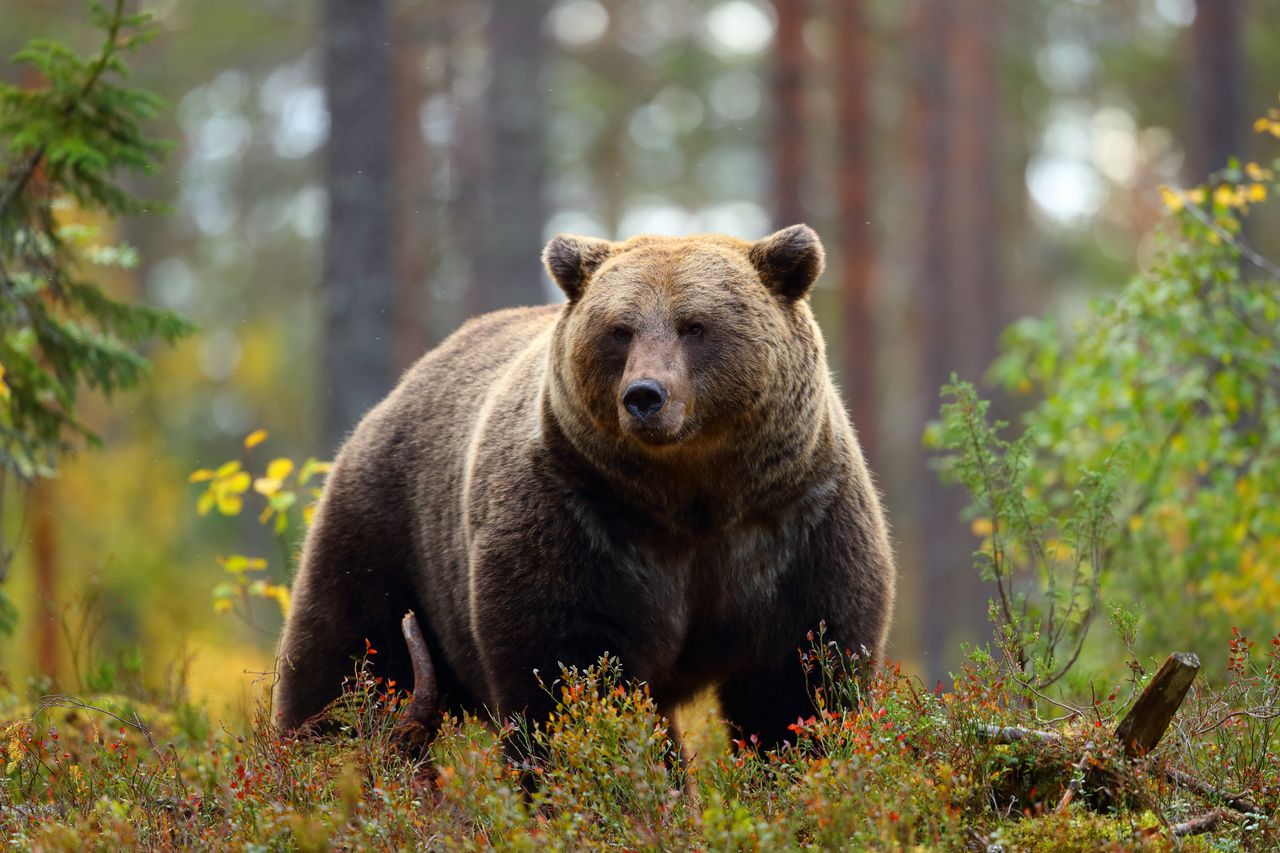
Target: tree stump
{"points": [[1141, 729]]}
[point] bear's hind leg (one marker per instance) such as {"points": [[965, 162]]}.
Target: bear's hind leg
{"points": [[347, 603]]}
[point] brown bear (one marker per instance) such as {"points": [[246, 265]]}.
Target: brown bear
{"points": [[660, 468]]}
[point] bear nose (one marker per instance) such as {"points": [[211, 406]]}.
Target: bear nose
{"points": [[644, 397]]}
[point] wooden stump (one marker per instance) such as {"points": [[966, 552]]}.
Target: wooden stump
{"points": [[1141, 729]]}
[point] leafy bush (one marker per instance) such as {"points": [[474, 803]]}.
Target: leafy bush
{"points": [[1160, 410], [288, 495]]}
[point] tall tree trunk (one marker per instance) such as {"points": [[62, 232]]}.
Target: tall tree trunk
{"points": [[44, 552], [973, 215], [789, 125], [513, 208], [359, 263], [856, 233], [940, 552], [1217, 113], [411, 167]]}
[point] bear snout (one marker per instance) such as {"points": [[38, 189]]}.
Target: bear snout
{"points": [[644, 398]]}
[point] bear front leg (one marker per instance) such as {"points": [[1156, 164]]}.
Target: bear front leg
{"points": [[762, 702]]}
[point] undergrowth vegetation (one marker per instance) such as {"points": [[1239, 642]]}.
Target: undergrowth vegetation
{"points": [[884, 763]]}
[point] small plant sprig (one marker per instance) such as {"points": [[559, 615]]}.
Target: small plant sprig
{"points": [[1045, 552], [288, 494]]}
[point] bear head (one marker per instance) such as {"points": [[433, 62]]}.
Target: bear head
{"points": [[672, 342]]}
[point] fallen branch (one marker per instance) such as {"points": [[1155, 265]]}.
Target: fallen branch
{"points": [[1139, 733], [1242, 804], [1198, 825]]}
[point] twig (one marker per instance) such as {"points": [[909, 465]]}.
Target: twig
{"points": [[1076, 779]]}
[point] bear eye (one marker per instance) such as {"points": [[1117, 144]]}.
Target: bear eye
{"points": [[622, 333], [693, 330]]}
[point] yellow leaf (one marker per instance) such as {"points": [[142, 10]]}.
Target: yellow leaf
{"points": [[1196, 195], [1258, 192], [1261, 125], [255, 438], [279, 469], [981, 527], [227, 469], [1135, 523], [222, 605], [206, 503], [1172, 199], [229, 504], [238, 483], [1224, 196], [267, 486], [199, 476], [308, 514], [238, 563]]}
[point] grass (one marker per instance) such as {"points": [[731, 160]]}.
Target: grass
{"points": [[882, 764]]}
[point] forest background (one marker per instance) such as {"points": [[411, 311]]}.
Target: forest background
{"points": [[348, 182]]}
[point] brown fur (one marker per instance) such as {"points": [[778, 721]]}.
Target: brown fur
{"points": [[504, 493]]}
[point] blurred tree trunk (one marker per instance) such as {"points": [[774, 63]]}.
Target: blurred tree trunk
{"points": [[790, 129], [855, 233], [1217, 87], [44, 553], [506, 268], [941, 143], [973, 219], [359, 262], [411, 168]]}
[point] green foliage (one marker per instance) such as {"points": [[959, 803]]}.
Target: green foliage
{"points": [[64, 146], [1030, 529], [881, 765], [1177, 376]]}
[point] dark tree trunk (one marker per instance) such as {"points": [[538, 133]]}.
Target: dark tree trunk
{"points": [[856, 234], [513, 209], [411, 168], [789, 125], [359, 263], [1217, 113], [44, 552], [974, 195], [950, 590]]}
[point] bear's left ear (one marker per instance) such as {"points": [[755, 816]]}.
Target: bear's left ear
{"points": [[789, 261], [571, 260]]}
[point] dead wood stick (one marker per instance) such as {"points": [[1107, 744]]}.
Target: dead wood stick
{"points": [[1013, 734], [1076, 778], [421, 718], [1204, 789], [1198, 825], [1141, 729]]}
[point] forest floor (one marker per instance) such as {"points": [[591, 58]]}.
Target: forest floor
{"points": [[883, 764]]}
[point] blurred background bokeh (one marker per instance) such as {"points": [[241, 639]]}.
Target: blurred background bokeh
{"points": [[350, 180]]}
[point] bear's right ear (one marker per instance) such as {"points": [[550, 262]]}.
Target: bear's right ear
{"points": [[570, 260]]}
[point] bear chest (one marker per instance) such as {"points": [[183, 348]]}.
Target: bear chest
{"points": [[707, 607]]}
